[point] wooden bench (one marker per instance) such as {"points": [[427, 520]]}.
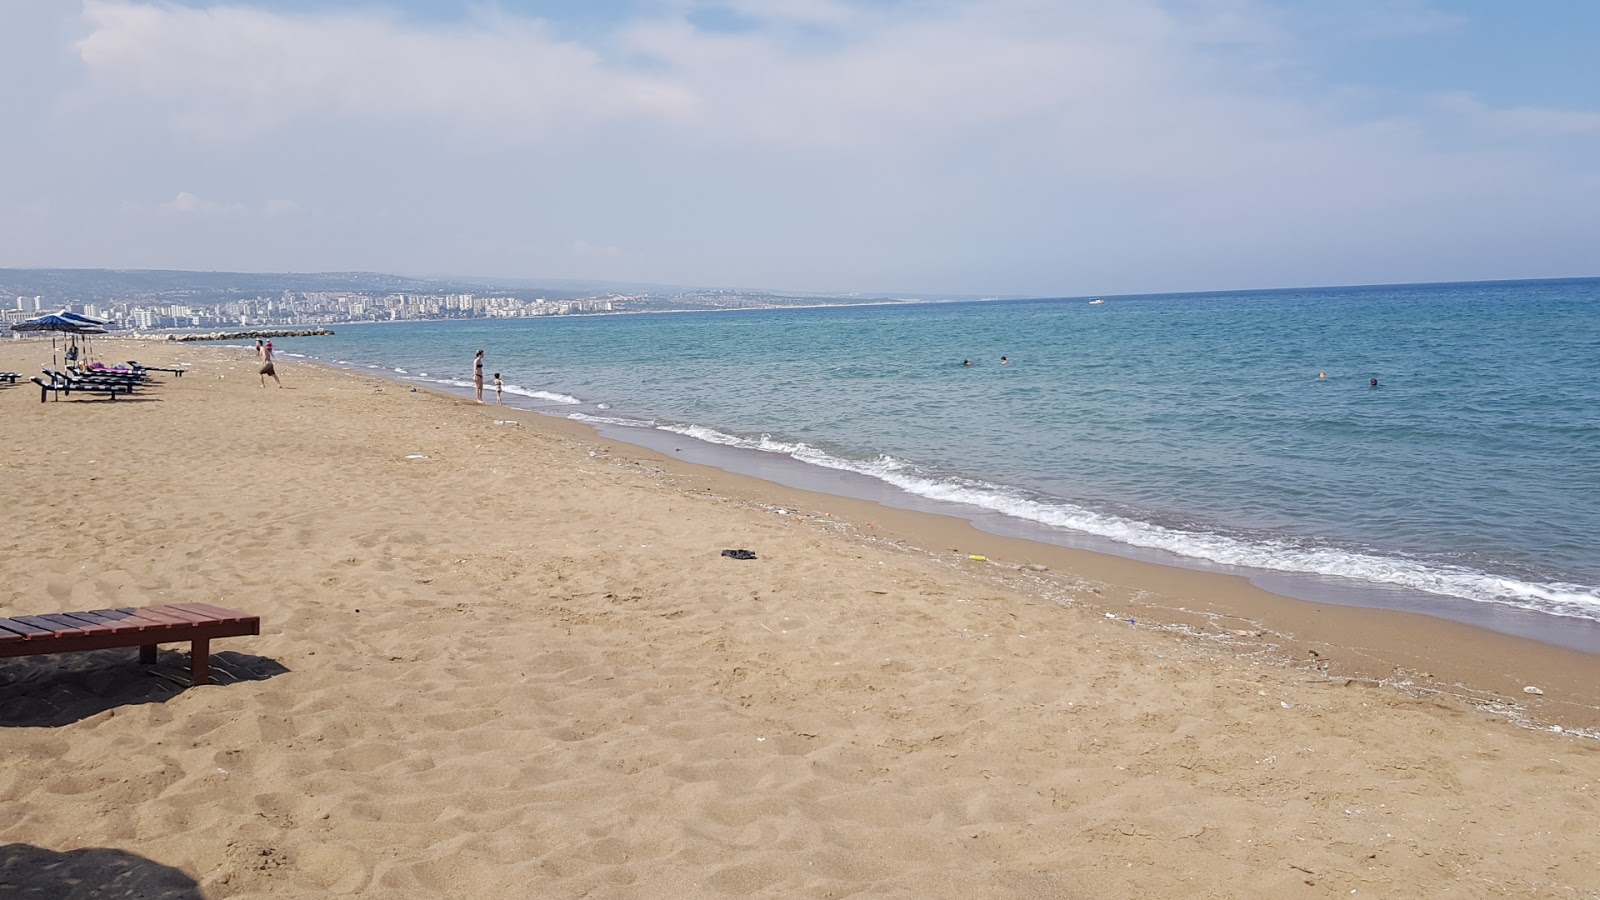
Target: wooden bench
{"points": [[143, 627]]}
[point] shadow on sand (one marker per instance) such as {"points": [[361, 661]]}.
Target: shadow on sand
{"points": [[58, 690], [34, 873]]}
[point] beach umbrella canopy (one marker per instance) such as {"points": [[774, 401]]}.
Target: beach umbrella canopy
{"points": [[65, 322], [53, 322], [98, 325]]}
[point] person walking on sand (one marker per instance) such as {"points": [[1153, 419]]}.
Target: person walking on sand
{"points": [[477, 374], [498, 385], [264, 353]]}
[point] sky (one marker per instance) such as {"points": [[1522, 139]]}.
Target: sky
{"points": [[951, 147]]}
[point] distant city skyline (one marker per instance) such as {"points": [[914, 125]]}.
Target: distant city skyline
{"points": [[995, 148], [145, 300]]}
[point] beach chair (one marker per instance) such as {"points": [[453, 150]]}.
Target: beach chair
{"points": [[46, 388], [109, 375], [76, 381], [143, 627], [60, 383], [142, 368], [10, 377], [96, 368]]}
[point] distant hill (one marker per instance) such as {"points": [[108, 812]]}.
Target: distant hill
{"points": [[59, 286]]}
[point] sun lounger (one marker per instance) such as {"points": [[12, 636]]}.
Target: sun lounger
{"points": [[61, 385], [112, 376], [142, 627], [10, 377], [46, 388], [98, 369], [90, 383], [143, 368]]}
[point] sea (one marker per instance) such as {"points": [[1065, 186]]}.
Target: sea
{"points": [[1433, 448]]}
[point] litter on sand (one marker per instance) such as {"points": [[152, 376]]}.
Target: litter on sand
{"points": [[978, 557], [738, 554]]}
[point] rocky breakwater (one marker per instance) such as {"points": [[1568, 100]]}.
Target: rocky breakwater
{"points": [[246, 335]]}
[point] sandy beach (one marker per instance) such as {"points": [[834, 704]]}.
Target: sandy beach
{"points": [[504, 657]]}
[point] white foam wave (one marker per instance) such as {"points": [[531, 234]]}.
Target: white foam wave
{"points": [[553, 397], [611, 420], [1556, 598]]}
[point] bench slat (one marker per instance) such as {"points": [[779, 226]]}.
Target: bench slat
{"points": [[178, 614], [152, 615], [71, 621], [173, 609], [12, 630], [46, 624], [128, 618], [92, 618], [154, 621], [216, 612]]}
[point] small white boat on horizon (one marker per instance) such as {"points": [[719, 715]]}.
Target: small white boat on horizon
{"points": [[1095, 300]]}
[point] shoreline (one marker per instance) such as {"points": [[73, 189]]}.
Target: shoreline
{"points": [[1505, 614], [511, 660], [1391, 647], [1408, 651]]}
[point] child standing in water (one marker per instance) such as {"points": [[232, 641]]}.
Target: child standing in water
{"points": [[497, 387]]}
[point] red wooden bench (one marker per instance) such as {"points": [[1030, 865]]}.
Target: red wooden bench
{"points": [[143, 627]]}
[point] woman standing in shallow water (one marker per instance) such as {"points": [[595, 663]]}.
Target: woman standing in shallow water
{"points": [[477, 374]]}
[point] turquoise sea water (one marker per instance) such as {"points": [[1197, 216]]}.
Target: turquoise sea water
{"points": [[1187, 427]]}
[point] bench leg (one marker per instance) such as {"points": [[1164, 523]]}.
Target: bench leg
{"points": [[200, 661], [147, 654]]}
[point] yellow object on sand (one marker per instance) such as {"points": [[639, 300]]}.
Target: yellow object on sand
{"points": [[977, 558]]}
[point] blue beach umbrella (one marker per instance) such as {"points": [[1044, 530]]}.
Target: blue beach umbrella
{"points": [[50, 322], [61, 322]]}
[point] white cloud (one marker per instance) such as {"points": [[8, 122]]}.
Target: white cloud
{"points": [[872, 80], [1116, 84], [236, 69], [188, 204], [876, 145]]}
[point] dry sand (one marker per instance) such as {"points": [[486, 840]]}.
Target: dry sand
{"points": [[508, 661]]}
